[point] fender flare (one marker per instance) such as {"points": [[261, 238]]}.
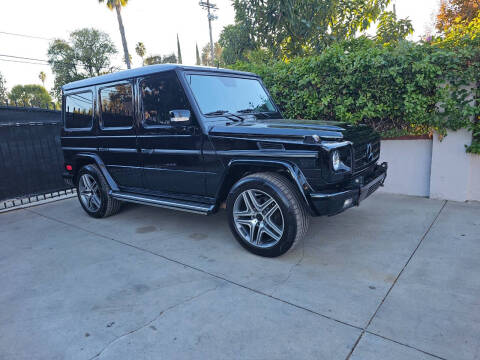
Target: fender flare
{"points": [[293, 171], [98, 161]]}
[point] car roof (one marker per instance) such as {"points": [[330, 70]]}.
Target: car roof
{"points": [[143, 71]]}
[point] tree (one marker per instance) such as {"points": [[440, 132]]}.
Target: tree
{"points": [[235, 41], [179, 51], [30, 95], [290, 28], [117, 4], [452, 10], [87, 54], [42, 76], [158, 59], [391, 30], [3, 89], [207, 56], [197, 54], [141, 50]]}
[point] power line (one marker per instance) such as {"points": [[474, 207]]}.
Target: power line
{"points": [[26, 36], [24, 62], [23, 58]]}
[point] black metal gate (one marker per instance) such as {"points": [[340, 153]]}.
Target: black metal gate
{"points": [[31, 159]]}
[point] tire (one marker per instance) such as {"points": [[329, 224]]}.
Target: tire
{"points": [[259, 212], [92, 192]]}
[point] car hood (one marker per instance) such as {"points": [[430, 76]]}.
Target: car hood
{"points": [[292, 129]]}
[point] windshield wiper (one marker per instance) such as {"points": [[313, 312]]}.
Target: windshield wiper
{"points": [[227, 114], [253, 112]]}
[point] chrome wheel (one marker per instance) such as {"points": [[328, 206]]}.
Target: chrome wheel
{"points": [[89, 192], [258, 218]]}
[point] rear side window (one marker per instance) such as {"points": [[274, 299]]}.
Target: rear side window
{"points": [[117, 106], [79, 110]]}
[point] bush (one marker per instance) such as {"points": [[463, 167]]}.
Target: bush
{"points": [[398, 89]]}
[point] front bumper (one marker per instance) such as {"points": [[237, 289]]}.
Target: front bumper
{"points": [[332, 203]]}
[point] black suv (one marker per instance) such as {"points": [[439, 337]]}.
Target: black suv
{"points": [[196, 139]]}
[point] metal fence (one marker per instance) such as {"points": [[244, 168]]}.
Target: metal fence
{"points": [[31, 159]]}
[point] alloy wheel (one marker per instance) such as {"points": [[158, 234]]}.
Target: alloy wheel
{"points": [[89, 192], [258, 218]]}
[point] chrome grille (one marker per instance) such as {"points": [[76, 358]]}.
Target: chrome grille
{"points": [[361, 160]]}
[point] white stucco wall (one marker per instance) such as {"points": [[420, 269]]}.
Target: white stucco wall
{"points": [[451, 167], [409, 163], [474, 187]]}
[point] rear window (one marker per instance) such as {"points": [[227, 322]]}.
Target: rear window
{"points": [[79, 110], [117, 106]]}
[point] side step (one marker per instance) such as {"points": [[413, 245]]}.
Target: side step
{"points": [[194, 207]]}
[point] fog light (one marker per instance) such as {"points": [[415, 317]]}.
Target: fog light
{"points": [[347, 203]]}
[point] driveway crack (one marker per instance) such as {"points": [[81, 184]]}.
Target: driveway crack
{"points": [[152, 321], [290, 271]]}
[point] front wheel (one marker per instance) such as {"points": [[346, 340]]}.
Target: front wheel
{"points": [[266, 214]]}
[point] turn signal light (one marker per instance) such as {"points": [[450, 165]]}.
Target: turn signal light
{"points": [[69, 167]]}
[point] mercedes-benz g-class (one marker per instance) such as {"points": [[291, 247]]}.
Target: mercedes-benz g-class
{"points": [[197, 139]]}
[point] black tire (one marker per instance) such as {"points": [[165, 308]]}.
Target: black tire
{"points": [[108, 205], [295, 219]]}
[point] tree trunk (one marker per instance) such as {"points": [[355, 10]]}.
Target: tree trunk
{"points": [[122, 33]]}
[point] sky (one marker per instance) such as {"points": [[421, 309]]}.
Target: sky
{"points": [[154, 22]]}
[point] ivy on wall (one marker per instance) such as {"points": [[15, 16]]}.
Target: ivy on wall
{"points": [[398, 89]]}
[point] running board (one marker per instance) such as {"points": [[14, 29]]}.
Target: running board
{"points": [[198, 208]]}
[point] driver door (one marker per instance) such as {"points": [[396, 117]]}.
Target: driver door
{"points": [[171, 153]]}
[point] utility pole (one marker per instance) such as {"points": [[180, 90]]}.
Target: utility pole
{"points": [[210, 8]]}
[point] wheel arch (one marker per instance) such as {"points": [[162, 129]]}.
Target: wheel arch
{"points": [[239, 168], [83, 159]]}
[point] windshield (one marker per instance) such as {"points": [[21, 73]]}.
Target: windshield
{"points": [[216, 94]]}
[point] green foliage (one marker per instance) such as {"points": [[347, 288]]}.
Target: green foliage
{"points": [[141, 50], [29, 95], [179, 51], [87, 54], [158, 59], [292, 28], [3, 89], [236, 42], [197, 55], [207, 56], [400, 88], [390, 29]]}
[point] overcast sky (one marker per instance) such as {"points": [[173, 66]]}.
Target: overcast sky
{"points": [[154, 22]]}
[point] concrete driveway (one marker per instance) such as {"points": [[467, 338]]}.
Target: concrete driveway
{"points": [[397, 278]]}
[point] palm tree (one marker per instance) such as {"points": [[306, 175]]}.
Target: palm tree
{"points": [[42, 76], [117, 4], [141, 50]]}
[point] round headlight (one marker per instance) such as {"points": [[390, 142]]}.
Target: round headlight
{"points": [[336, 160]]}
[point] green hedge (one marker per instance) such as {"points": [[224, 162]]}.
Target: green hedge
{"points": [[407, 88]]}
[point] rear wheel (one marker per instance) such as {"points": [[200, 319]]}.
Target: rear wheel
{"points": [[92, 192], [266, 214]]}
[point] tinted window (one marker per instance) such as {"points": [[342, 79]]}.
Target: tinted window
{"points": [[117, 106], [232, 94], [79, 110], [161, 94]]}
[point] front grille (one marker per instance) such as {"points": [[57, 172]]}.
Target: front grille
{"points": [[360, 156]]}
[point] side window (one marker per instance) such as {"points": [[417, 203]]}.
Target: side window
{"points": [[161, 94], [79, 110], [117, 106]]}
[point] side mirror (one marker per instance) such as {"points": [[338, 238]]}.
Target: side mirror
{"points": [[180, 117]]}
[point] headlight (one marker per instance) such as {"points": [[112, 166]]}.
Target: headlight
{"points": [[336, 162]]}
